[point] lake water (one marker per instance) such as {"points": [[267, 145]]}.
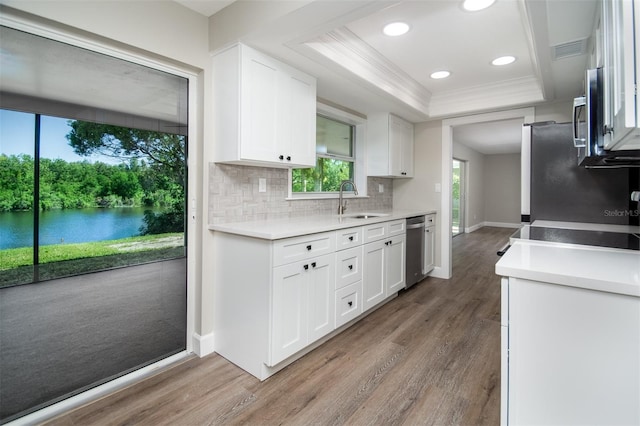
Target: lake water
{"points": [[70, 226]]}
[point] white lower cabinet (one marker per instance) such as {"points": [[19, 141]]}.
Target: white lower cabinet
{"points": [[429, 252], [275, 300], [348, 303], [384, 263], [303, 305], [569, 355]]}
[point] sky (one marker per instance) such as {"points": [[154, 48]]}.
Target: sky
{"points": [[17, 134]]}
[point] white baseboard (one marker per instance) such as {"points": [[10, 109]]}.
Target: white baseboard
{"points": [[493, 224], [503, 224], [474, 228], [203, 345], [438, 272]]}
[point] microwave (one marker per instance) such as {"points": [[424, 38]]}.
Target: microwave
{"points": [[589, 128]]}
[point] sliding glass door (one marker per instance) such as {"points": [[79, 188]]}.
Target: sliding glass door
{"points": [[457, 196], [92, 221]]}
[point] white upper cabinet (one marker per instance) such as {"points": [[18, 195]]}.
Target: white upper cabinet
{"points": [[264, 111], [389, 146], [620, 45]]}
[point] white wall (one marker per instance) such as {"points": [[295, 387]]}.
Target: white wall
{"points": [[474, 182], [502, 189]]}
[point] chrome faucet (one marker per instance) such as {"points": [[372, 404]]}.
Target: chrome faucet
{"points": [[343, 206]]}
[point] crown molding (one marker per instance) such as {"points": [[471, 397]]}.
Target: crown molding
{"points": [[509, 93], [344, 48]]}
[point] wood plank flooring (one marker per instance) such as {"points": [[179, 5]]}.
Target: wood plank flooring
{"points": [[429, 357]]}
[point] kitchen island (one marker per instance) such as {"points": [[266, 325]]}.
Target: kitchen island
{"points": [[570, 333], [283, 287]]}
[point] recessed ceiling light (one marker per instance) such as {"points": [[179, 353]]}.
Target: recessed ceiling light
{"points": [[503, 60], [440, 74], [395, 29], [475, 5]]}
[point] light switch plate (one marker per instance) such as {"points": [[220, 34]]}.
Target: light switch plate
{"points": [[438, 187], [380, 187], [262, 185]]}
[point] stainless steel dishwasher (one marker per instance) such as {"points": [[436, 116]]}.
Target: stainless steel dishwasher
{"points": [[415, 250]]}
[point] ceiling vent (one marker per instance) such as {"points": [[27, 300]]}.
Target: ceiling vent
{"points": [[569, 49]]}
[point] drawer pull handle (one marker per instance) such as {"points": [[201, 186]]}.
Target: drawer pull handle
{"points": [[350, 238], [350, 267], [309, 247], [313, 264], [306, 267], [350, 304]]}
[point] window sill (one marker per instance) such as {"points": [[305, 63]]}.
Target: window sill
{"points": [[332, 196]]}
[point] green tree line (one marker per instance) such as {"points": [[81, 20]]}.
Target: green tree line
{"points": [[73, 185]]}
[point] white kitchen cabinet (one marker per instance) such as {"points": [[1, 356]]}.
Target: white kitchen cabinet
{"points": [[569, 355], [303, 305], [348, 303], [264, 111], [275, 300], [620, 45], [383, 262], [429, 252], [389, 146]]}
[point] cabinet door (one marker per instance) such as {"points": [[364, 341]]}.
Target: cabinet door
{"points": [[400, 147], [321, 304], [373, 287], [395, 268], [620, 70], [300, 120], [259, 108], [429, 261], [289, 311]]}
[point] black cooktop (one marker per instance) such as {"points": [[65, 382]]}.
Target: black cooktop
{"points": [[579, 236]]}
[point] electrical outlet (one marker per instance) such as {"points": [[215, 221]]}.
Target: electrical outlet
{"points": [[262, 185]]}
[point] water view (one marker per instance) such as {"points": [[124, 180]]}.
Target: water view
{"points": [[70, 225]]}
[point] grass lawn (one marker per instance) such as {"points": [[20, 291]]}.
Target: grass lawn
{"points": [[16, 265]]}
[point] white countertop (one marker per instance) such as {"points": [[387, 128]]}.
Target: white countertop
{"points": [[586, 226], [594, 268], [275, 229]]}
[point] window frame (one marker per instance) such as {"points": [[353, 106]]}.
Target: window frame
{"points": [[359, 155]]}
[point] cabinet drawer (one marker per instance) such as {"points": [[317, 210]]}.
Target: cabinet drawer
{"points": [[348, 303], [300, 248], [375, 232], [430, 219], [347, 238], [397, 227], [348, 266]]}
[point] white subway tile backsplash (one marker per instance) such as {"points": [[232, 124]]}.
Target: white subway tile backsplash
{"points": [[234, 196]]}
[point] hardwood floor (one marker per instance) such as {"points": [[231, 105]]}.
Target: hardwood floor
{"points": [[429, 357]]}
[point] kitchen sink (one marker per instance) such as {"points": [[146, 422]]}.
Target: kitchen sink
{"points": [[365, 215]]}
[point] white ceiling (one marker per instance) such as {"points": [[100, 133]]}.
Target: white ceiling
{"points": [[491, 138], [341, 44]]}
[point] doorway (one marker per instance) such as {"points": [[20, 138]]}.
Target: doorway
{"points": [[458, 191]]}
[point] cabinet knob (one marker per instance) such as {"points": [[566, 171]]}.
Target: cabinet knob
{"points": [[428, 230], [350, 238], [281, 157], [306, 267], [309, 247], [350, 304], [313, 264], [350, 267], [288, 158]]}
